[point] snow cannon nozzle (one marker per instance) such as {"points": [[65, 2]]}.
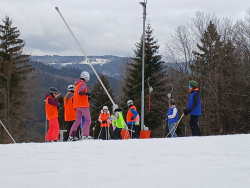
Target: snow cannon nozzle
{"points": [[57, 8]]}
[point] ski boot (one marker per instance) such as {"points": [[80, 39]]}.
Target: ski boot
{"points": [[71, 139]]}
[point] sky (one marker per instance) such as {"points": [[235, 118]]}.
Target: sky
{"points": [[105, 27]]}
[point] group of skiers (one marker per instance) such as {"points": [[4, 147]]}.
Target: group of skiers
{"points": [[193, 108], [118, 123], [77, 112], [76, 105]]}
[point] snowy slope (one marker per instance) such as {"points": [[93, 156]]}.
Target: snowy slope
{"points": [[195, 162]]}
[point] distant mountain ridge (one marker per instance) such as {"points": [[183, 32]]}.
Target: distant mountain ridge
{"points": [[107, 65]]}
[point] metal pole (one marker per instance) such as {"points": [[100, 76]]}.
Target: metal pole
{"points": [[85, 56], [143, 62], [7, 131]]}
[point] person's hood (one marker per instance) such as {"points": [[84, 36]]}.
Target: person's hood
{"points": [[118, 110], [46, 96], [78, 81], [196, 89]]}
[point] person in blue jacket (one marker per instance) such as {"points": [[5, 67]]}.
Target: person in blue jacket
{"points": [[172, 117], [194, 108]]}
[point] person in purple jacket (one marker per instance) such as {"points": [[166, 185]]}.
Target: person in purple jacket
{"points": [[81, 104]]}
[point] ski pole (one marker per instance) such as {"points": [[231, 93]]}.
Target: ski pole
{"points": [[185, 130], [106, 131], [163, 127], [131, 130], [86, 57], [175, 126], [7, 132], [99, 133]]}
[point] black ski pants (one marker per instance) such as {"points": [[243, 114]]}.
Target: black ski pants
{"points": [[117, 134], [193, 122], [135, 128], [70, 123], [104, 134]]}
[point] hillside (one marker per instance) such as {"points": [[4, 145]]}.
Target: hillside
{"points": [[207, 162], [107, 65], [45, 77]]}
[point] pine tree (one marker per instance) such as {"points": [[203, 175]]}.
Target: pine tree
{"points": [[101, 99], [154, 70], [216, 65], [14, 70]]}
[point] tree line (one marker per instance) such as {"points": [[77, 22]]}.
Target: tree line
{"points": [[213, 51]]}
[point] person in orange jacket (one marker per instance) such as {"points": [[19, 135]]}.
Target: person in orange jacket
{"points": [[52, 114], [105, 123], [131, 120], [81, 104], [69, 111]]}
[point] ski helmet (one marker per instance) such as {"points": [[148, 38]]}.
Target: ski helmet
{"points": [[130, 102], [193, 84], [115, 106], [52, 90], [105, 108], [85, 75], [71, 88], [171, 101]]}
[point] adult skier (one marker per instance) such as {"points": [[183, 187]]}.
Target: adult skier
{"points": [[172, 117], [104, 123], [131, 119], [194, 108], [51, 108], [117, 122], [81, 104]]}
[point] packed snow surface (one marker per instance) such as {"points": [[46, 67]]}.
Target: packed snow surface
{"points": [[195, 162]]}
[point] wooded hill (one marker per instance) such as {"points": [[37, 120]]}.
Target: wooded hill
{"points": [[46, 76]]}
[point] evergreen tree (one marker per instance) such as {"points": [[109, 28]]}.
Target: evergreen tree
{"points": [[101, 99], [14, 71], [216, 65], [154, 70]]}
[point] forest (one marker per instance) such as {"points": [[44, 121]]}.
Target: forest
{"points": [[213, 51]]}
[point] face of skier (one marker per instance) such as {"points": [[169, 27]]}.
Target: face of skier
{"points": [[170, 105], [53, 94], [105, 110], [190, 87]]}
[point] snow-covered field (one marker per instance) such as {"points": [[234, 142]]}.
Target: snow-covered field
{"points": [[195, 162]]}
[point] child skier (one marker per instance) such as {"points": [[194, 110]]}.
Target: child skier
{"points": [[131, 119], [52, 114], [105, 123], [117, 122], [81, 104], [194, 108], [69, 111], [172, 117]]}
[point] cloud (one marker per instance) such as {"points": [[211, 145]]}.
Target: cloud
{"points": [[104, 27]]}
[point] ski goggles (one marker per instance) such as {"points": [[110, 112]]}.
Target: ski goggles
{"points": [[189, 86]]}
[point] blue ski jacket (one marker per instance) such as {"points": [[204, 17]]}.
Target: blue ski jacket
{"points": [[194, 103]]}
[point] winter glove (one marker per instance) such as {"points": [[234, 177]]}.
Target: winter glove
{"points": [[89, 94], [92, 95], [104, 121], [132, 119], [186, 112]]}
